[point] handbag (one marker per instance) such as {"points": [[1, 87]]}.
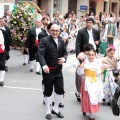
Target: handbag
{"points": [[102, 48], [114, 105]]}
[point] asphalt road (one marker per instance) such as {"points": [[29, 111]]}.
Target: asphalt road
{"points": [[21, 98]]}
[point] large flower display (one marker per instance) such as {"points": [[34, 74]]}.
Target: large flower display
{"points": [[21, 19]]}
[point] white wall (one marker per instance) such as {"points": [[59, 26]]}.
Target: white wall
{"points": [[2, 8], [64, 7], [81, 2]]}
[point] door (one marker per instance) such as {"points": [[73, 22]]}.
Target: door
{"points": [[72, 6]]}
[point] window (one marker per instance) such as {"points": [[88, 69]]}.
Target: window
{"points": [[57, 6]]}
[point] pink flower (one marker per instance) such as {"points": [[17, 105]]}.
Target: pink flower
{"points": [[105, 66], [81, 56], [24, 38], [110, 46]]}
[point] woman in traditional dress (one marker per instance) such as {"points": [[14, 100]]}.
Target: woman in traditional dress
{"points": [[108, 82], [72, 39], [91, 87]]}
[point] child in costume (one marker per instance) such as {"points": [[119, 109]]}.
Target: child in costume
{"points": [[91, 87], [78, 77], [108, 82]]}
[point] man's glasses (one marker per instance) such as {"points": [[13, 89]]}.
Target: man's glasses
{"points": [[55, 30]]}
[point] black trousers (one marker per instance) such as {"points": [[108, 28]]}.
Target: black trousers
{"points": [[33, 53], [2, 61], [7, 55], [53, 79], [110, 40]]}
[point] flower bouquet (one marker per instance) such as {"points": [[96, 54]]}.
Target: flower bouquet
{"points": [[81, 57], [105, 70], [21, 19]]}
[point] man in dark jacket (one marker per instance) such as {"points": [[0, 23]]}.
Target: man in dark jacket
{"points": [[7, 29], [32, 44], [51, 55], [4, 46], [41, 35], [87, 35]]}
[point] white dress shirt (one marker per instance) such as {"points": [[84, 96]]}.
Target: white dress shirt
{"points": [[38, 30], [3, 28], [2, 40], [91, 40]]}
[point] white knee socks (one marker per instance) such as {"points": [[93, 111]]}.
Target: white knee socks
{"points": [[57, 100], [47, 105], [31, 64], [2, 75], [26, 59], [37, 66]]}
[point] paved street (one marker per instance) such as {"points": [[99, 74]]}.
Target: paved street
{"points": [[21, 98]]}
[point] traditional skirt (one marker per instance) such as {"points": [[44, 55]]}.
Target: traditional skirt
{"points": [[78, 81], [86, 106], [109, 86]]}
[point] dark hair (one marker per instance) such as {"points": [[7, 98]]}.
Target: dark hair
{"points": [[6, 9], [88, 47], [81, 16], [50, 24], [74, 26], [93, 51], [44, 18], [90, 19], [111, 49]]}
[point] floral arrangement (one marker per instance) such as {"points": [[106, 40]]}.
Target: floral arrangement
{"points": [[104, 68], [81, 57], [21, 19]]}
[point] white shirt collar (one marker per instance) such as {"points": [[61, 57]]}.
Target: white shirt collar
{"points": [[3, 28], [56, 41], [89, 30]]}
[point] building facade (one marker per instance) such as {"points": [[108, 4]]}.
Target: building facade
{"points": [[65, 6], [6, 4]]}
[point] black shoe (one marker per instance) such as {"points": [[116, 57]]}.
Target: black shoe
{"points": [[24, 63], [84, 113], [1, 83], [103, 100], [6, 68], [71, 51], [38, 73], [31, 70], [60, 105], [48, 116], [43, 102], [105, 55], [78, 97], [91, 118], [109, 103], [58, 114]]}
